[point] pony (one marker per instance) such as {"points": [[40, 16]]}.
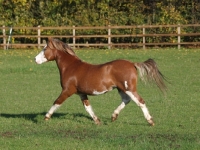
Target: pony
{"points": [[82, 78]]}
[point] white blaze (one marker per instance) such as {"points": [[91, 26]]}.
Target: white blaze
{"points": [[40, 58]]}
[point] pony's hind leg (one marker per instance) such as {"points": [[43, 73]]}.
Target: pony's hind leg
{"points": [[140, 102], [89, 109], [125, 100]]}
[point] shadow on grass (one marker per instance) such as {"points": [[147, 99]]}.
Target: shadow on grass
{"points": [[38, 117]]}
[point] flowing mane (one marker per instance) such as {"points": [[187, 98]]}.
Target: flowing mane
{"points": [[61, 46]]}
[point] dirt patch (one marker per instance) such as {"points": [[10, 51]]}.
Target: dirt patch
{"points": [[7, 134]]}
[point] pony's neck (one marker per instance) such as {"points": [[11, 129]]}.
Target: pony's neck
{"points": [[64, 60]]}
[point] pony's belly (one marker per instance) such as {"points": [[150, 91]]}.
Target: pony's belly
{"points": [[96, 90]]}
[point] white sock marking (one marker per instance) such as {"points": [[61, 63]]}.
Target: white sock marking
{"points": [[119, 108], [90, 111], [142, 106], [133, 97], [52, 110], [125, 100], [145, 111]]}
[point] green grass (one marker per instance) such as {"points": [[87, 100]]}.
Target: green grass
{"points": [[28, 91]]}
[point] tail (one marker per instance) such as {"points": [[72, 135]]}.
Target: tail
{"points": [[149, 72]]}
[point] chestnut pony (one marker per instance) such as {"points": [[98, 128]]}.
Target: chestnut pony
{"points": [[81, 78]]}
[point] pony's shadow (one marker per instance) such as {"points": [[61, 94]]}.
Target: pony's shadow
{"points": [[38, 117]]}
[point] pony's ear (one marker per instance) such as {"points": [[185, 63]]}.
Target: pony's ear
{"points": [[50, 42]]}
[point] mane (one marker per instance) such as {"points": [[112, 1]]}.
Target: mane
{"points": [[61, 46]]}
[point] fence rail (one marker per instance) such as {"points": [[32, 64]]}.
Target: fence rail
{"points": [[38, 35]]}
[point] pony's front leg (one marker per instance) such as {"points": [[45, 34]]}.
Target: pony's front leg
{"points": [[89, 109], [63, 96], [51, 111]]}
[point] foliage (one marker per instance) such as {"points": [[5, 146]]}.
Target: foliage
{"points": [[28, 91], [100, 13], [97, 12]]}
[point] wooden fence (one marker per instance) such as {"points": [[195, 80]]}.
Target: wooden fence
{"points": [[7, 35]]}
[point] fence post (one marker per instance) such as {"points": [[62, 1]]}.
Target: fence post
{"points": [[179, 37], [9, 37], [109, 37], [143, 38], [4, 38], [74, 39], [39, 39]]}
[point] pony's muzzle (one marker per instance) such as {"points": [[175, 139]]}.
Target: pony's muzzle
{"points": [[40, 58]]}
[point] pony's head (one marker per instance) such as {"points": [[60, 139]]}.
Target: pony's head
{"points": [[48, 53]]}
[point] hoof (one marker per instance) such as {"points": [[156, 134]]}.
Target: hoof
{"points": [[46, 118], [114, 117], [97, 121], [151, 122]]}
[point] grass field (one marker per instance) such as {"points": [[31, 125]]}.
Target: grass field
{"points": [[27, 91]]}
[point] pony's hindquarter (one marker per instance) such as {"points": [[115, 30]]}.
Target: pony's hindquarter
{"points": [[149, 72]]}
